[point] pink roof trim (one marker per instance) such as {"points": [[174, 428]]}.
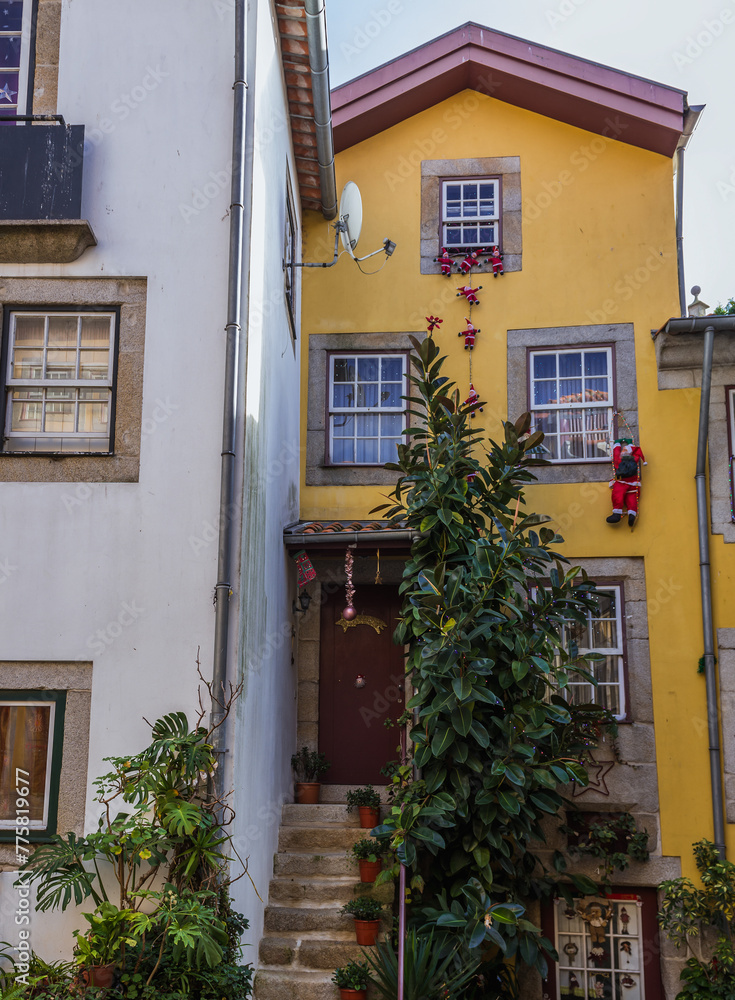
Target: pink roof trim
{"points": [[560, 86]]}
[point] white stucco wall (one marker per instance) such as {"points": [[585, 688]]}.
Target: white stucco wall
{"points": [[152, 83]]}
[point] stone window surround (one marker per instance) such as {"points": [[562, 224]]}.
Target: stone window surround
{"points": [[45, 65], [507, 169], [129, 295], [318, 471], [74, 677], [621, 337]]}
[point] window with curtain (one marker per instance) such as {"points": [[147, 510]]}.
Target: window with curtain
{"points": [[571, 400], [15, 25], [366, 412], [59, 382], [31, 743], [470, 213]]}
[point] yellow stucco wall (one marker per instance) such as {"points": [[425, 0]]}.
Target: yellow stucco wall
{"points": [[598, 246]]}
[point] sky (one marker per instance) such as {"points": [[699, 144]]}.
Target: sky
{"points": [[687, 45]]}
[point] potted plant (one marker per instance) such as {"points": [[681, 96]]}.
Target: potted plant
{"points": [[352, 980], [308, 765], [98, 951], [367, 913], [367, 802], [367, 853]]}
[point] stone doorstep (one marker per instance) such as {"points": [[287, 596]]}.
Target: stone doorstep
{"points": [[338, 793], [317, 839]]}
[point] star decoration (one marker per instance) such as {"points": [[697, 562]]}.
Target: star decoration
{"points": [[7, 92], [597, 773]]}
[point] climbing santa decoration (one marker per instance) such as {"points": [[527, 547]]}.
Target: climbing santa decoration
{"points": [[496, 259], [626, 486], [469, 335]]}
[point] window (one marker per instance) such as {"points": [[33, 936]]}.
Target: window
{"points": [[59, 381], [602, 634], [15, 30], [366, 411], [731, 441], [289, 258], [605, 946], [571, 398], [470, 213], [31, 746]]}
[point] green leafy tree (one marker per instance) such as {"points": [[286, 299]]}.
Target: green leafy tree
{"points": [[485, 597], [727, 310]]}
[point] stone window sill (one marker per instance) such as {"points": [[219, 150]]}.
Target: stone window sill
{"points": [[44, 241]]}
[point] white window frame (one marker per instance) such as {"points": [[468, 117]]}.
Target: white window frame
{"points": [[583, 941], [41, 824], [613, 651], [20, 101], [606, 405], [48, 442], [475, 220], [361, 410]]}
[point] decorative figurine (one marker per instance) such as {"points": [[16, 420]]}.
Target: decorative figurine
{"points": [[472, 400], [469, 335], [469, 293], [624, 920], [496, 259], [626, 485], [446, 262], [597, 916], [470, 260]]}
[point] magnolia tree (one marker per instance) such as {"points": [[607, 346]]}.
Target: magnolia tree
{"points": [[485, 599]]}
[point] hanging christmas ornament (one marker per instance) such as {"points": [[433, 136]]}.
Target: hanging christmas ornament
{"points": [[496, 259], [626, 486], [469, 293], [378, 577], [469, 335], [628, 982], [305, 570], [624, 920], [470, 261], [472, 400], [570, 950], [433, 322], [349, 612], [446, 262], [627, 950]]}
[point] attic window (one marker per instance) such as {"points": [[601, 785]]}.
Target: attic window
{"points": [[470, 213]]}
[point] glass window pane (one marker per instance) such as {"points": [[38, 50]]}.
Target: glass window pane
{"points": [[544, 392], [470, 209], [604, 634], [469, 191], [95, 331], [367, 369], [388, 452], [61, 364], [469, 235], [10, 52], [608, 695], [27, 363], [487, 235], [29, 331], [596, 390], [11, 15], [8, 92], [25, 416], [93, 418], [606, 606], [367, 394], [93, 364], [453, 192], [367, 425], [453, 211], [343, 394], [344, 369], [598, 446], [25, 731], [607, 671], [62, 332], [452, 236], [580, 694], [487, 190], [367, 450], [391, 369], [570, 365], [343, 425], [390, 394], [59, 418], [570, 390], [343, 450], [544, 366], [546, 422], [595, 362], [391, 424]]}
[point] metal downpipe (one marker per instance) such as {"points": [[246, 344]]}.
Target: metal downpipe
{"points": [[236, 341], [680, 229], [710, 671], [316, 32]]}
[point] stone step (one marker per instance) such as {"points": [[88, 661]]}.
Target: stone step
{"points": [[314, 890], [330, 863], [296, 814], [306, 918], [294, 984], [318, 839], [310, 952], [338, 793]]}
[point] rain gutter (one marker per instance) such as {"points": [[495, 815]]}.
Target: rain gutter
{"points": [[691, 118], [345, 538], [316, 33]]}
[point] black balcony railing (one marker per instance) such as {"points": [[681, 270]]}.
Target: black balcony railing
{"points": [[41, 161]]}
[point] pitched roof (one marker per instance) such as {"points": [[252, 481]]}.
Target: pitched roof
{"points": [[339, 534], [552, 83]]}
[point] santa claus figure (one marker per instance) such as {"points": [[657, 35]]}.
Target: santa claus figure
{"points": [[446, 262], [626, 486], [469, 293], [469, 262], [496, 259], [473, 399], [469, 335]]}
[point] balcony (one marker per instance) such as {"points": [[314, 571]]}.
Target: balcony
{"points": [[41, 165]]}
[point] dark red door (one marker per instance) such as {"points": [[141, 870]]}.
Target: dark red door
{"points": [[352, 713]]}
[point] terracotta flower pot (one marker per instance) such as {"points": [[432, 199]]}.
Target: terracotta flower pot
{"points": [[369, 817], [346, 994], [307, 792], [369, 870], [366, 931], [99, 975]]}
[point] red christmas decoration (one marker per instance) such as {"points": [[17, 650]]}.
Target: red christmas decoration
{"points": [[626, 486], [470, 260], [469, 335], [469, 293], [305, 570], [472, 400], [433, 321], [446, 262], [496, 259]]}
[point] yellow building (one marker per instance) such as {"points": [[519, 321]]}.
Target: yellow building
{"points": [[481, 139]]}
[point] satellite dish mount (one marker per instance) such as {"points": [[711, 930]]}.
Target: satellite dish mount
{"points": [[348, 228]]}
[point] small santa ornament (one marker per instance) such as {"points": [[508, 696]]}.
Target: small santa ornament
{"points": [[626, 486], [469, 335], [496, 259], [470, 261], [472, 400], [469, 293], [446, 262]]}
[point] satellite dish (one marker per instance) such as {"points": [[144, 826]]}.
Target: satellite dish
{"points": [[350, 214]]}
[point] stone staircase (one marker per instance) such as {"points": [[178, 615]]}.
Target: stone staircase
{"points": [[305, 936]]}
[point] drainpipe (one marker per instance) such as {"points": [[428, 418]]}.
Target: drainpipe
{"points": [[691, 117], [707, 325], [316, 33], [236, 341]]}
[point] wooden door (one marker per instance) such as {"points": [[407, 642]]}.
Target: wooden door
{"points": [[351, 716]]}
